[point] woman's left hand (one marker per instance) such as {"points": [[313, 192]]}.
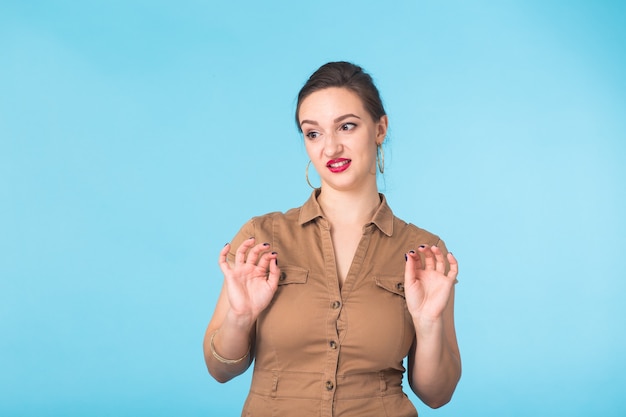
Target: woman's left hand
{"points": [[427, 288]]}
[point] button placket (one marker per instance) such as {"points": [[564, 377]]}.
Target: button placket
{"points": [[333, 347], [335, 306]]}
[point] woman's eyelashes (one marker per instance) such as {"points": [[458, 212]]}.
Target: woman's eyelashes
{"points": [[348, 126], [344, 127], [312, 134]]}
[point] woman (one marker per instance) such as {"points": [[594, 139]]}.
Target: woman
{"points": [[330, 297]]}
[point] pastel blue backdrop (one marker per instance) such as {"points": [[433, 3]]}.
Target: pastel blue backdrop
{"points": [[137, 136]]}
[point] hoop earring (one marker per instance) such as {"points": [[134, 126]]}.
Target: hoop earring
{"points": [[380, 158], [306, 175]]}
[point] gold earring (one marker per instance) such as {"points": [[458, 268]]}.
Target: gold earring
{"points": [[306, 175], [380, 158]]}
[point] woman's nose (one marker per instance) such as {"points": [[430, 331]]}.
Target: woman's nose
{"points": [[332, 146]]}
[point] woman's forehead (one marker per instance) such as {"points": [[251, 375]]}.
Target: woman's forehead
{"points": [[330, 103]]}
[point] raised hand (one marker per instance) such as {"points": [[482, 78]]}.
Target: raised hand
{"points": [[427, 287], [252, 280]]}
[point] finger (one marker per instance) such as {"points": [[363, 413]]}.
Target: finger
{"points": [[418, 260], [454, 266], [240, 255], [274, 275], [223, 259], [440, 265], [254, 253], [410, 266], [265, 260], [429, 258]]}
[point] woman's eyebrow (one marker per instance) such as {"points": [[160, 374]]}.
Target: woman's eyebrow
{"points": [[337, 120], [345, 116], [311, 122]]}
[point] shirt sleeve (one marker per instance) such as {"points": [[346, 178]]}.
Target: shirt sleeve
{"points": [[247, 231]]}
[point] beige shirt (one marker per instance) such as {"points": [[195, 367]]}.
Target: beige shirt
{"points": [[323, 350]]}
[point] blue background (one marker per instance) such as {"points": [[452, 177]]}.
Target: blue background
{"points": [[137, 136]]}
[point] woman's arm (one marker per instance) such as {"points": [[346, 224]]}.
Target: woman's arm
{"points": [[434, 359], [249, 285]]}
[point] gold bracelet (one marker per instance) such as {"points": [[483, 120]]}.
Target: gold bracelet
{"points": [[224, 360]]}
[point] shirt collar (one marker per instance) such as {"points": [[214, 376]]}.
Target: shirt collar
{"points": [[383, 217], [311, 209]]}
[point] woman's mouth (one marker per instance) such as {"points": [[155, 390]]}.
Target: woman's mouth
{"points": [[338, 165]]}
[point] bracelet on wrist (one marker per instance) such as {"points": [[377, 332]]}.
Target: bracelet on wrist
{"points": [[222, 359]]}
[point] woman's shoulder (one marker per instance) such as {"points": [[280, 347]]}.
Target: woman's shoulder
{"points": [[399, 229], [264, 227], [407, 230], [267, 219]]}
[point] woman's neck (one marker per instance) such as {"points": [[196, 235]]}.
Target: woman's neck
{"points": [[349, 207]]}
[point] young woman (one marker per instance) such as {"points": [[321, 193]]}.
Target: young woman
{"points": [[329, 298]]}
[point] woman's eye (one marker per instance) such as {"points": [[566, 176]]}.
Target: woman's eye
{"points": [[348, 126], [312, 135]]}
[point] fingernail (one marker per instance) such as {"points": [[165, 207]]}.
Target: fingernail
{"points": [[274, 253], [406, 258], [266, 244], [422, 246], [411, 251], [251, 237]]}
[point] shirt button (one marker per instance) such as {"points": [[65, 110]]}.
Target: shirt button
{"points": [[282, 277], [336, 305], [330, 385], [333, 344], [400, 286]]}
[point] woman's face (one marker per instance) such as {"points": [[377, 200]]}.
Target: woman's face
{"points": [[341, 138]]}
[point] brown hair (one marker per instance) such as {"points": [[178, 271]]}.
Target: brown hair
{"points": [[346, 75]]}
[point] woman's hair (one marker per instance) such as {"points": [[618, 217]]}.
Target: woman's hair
{"points": [[345, 75]]}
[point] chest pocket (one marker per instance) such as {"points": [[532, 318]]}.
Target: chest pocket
{"points": [[393, 284], [285, 325], [292, 275], [389, 326]]}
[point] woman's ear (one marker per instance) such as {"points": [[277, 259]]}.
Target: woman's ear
{"points": [[381, 129]]}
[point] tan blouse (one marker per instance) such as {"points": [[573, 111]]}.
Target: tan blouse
{"points": [[322, 350]]}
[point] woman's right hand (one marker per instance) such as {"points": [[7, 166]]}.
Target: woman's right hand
{"points": [[251, 281]]}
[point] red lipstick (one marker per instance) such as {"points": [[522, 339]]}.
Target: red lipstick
{"points": [[338, 165]]}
